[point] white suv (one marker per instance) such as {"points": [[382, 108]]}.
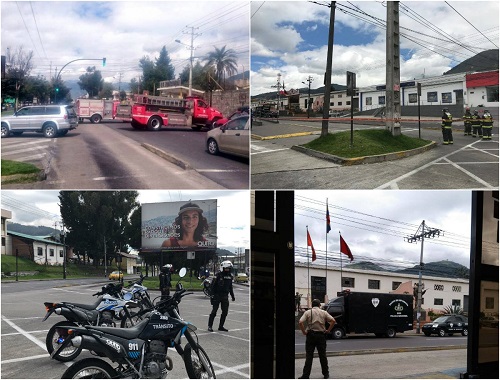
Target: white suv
{"points": [[51, 120]]}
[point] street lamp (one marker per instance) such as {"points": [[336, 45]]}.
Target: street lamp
{"points": [[308, 80], [190, 64]]}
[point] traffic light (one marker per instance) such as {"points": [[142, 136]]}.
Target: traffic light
{"points": [[57, 89], [104, 62]]}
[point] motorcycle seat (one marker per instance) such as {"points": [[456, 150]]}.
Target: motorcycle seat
{"points": [[86, 306], [127, 333]]}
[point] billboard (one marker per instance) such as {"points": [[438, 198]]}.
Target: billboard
{"points": [[179, 226]]}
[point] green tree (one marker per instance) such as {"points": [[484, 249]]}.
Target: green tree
{"points": [[222, 61], [97, 221], [163, 66], [106, 91], [200, 76], [154, 72], [19, 66], [91, 81]]}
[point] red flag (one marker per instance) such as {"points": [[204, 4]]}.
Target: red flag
{"points": [[344, 248], [328, 227], [310, 244]]}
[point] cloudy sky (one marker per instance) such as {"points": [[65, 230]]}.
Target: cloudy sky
{"points": [[123, 32], [39, 208], [291, 37], [374, 224]]}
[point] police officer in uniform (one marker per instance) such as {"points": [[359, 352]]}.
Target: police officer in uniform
{"points": [[487, 125], [222, 287], [165, 280], [315, 333], [446, 121], [467, 122], [476, 125]]}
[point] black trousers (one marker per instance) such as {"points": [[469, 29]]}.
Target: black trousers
{"points": [[315, 340], [224, 306]]}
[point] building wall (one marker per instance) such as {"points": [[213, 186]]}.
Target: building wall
{"points": [[447, 290], [5, 247]]}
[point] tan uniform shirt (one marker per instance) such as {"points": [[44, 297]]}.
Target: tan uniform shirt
{"points": [[316, 319]]}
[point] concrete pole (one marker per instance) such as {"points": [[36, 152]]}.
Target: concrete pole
{"points": [[328, 73], [392, 88]]}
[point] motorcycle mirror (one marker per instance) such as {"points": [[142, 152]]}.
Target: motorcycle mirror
{"points": [[182, 272]]}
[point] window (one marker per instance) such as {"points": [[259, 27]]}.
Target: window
{"points": [[318, 287], [492, 94], [412, 98], [61, 253], [381, 100], [52, 111], [348, 103], [373, 284], [368, 101], [39, 251], [456, 288], [455, 302], [446, 97], [339, 103], [439, 287], [432, 97], [395, 284], [339, 95], [348, 282], [51, 252], [438, 301], [489, 303]]}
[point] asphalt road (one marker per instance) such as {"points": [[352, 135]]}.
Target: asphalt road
{"points": [[23, 352], [467, 164], [114, 156]]}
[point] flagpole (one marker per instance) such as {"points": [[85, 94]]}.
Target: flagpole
{"points": [[308, 277], [341, 288], [326, 256]]}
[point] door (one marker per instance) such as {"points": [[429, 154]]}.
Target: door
{"points": [[234, 136]]}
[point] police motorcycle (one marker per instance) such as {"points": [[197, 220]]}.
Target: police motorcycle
{"points": [[110, 307], [140, 352], [207, 284], [139, 292]]}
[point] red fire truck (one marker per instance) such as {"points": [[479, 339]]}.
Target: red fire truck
{"points": [[96, 109], [154, 112]]}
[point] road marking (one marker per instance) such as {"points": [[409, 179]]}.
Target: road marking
{"points": [[221, 171], [235, 369], [26, 334], [29, 332], [470, 174], [23, 359], [394, 182]]}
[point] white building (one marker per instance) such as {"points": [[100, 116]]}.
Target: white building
{"points": [[6, 214], [440, 292]]}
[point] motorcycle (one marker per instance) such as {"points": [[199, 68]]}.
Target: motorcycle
{"points": [[139, 293], [207, 283], [141, 351], [109, 308]]}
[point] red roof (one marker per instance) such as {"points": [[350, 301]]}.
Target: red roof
{"points": [[489, 78]]}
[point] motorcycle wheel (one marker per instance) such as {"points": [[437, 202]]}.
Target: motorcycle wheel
{"points": [[134, 319], [197, 362], [206, 291], [54, 339], [90, 368]]}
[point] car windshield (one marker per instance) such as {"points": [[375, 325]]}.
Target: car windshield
{"points": [[441, 319]]}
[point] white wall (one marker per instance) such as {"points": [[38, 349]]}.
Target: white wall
{"points": [[56, 259]]}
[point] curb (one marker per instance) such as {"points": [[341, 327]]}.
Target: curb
{"points": [[166, 156], [40, 176], [366, 159], [257, 137], [383, 351]]}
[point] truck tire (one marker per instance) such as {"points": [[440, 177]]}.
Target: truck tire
{"points": [[390, 333], [154, 124], [197, 127], [95, 118], [337, 333]]}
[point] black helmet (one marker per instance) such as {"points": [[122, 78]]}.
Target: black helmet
{"points": [[445, 109]]}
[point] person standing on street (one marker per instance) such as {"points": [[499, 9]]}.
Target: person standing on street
{"points": [[297, 300], [446, 121], [165, 280], [467, 122], [476, 125], [315, 333], [487, 124], [222, 287]]}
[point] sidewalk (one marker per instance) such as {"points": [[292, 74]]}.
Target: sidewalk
{"points": [[443, 364]]}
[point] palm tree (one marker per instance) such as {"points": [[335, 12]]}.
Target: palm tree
{"points": [[222, 61]]}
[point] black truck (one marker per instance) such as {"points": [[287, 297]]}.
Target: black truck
{"points": [[383, 314]]}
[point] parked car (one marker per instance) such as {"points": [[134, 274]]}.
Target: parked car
{"points": [[52, 121], [241, 277], [232, 137], [447, 325], [239, 112], [488, 322], [116, 275]]}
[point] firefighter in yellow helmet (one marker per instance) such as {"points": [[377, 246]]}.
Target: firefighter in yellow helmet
{"points": [[467, 122], [446, 121], [487, 124]]}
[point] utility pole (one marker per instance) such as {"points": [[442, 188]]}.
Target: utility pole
{"points": [[392, 74], [422, 233], [328, 73], [278, 86], [308, 80], [190, 47]]}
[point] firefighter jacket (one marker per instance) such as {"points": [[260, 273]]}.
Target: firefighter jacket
{"points": [[446, 120], [222, 285], [467, 118], [487, 120], [476, 121]]}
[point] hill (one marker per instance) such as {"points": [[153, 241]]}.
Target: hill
{"points": [[272, 95], [32, 230], [443, 268], [484, 61]]}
